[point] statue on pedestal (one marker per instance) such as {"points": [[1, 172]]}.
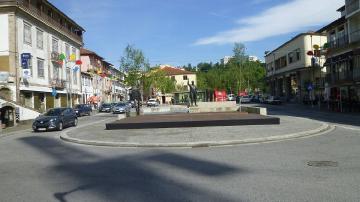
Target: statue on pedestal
{"points": [[193, 93]]}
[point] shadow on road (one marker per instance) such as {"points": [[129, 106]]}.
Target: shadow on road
{"points": [[129, 177]]}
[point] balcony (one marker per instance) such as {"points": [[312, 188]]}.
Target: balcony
{"points": [[345, 77], [339, 42], [37, 13], [355, 36], [57, 83], [351, 6]]}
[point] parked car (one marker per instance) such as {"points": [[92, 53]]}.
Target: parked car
{"points": [[243, 99], [106, 107], [131, 104], [121, 108], [55, 119], [273, 100], [83, 109], [231, 97], [256, 99], [152, 103]]}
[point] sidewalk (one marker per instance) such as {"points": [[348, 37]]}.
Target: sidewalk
{"points": [[192, 137], [18, 128]]}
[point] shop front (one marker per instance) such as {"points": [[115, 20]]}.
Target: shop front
{"points": [[7, 114]]}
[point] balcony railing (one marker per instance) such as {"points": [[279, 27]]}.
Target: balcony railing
{"points": [[345, 77], [351, 6], [57, 83], [43, 16], [339, 42]]}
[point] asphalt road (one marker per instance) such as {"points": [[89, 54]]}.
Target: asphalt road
{"points": [[40, 167]]}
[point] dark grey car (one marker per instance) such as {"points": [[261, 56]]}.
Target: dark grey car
{"points": [[55, 119]]}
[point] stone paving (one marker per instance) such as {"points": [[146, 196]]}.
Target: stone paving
{"points": [[288, 125]]}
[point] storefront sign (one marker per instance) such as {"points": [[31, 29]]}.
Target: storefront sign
{"points": [[25, 57], [310, 87]]}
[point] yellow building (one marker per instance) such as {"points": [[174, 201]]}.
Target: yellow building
{"points": [[181, 78]]}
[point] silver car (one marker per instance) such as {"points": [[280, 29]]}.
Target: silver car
{"points": [[121, 108], [245, 99]]}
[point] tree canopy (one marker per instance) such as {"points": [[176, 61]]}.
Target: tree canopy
{"points": [[238, 74], [134, 64]]}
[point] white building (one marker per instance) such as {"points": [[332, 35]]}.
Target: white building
{"points": [[291, 71], [226, 60], [34, 37], [253, 58]]}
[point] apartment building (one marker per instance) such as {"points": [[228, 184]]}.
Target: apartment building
{"points": [[181, 78], [343, 59], [226, 60], [294, 69], [39, 46], [101, 80]]}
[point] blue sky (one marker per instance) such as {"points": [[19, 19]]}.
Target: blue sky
{"points": [[178, 32]]}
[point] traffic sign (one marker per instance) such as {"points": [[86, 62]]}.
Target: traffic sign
{"points": [[310, 87]]}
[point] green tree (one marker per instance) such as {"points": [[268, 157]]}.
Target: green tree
{"points": [[134, 64], [155, 79], [237, 75]]}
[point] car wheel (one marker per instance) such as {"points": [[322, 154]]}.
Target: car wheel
{"points": [[61, 126], [75, 122]]}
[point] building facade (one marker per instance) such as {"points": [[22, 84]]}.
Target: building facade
{"points": [[181, 78], [294, 70], [102, 82], [39, 46], [343, 59]]}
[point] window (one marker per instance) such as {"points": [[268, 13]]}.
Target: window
{"points": [[39, 39], [68, 78], [75, 79], [27, 33], [185, 77], [356, 67], [294, 56], [283, 61], [56, 71], [30, 65], [73, 51], [40, 68], [67, 51], [291, 57], [298, 56], [55, 44]]}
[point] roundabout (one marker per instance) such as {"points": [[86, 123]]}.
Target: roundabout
{"points": [[193, 137]]}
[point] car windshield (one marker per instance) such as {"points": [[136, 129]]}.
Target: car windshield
{"points": [[54, 112], [152, 100], [106, 105], [121, 105], [79, 106]]}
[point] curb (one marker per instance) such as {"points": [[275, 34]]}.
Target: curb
{"points": [[324, 128]]}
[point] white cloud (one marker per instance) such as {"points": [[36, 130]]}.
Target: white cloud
{"points": [[293, 16]]}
